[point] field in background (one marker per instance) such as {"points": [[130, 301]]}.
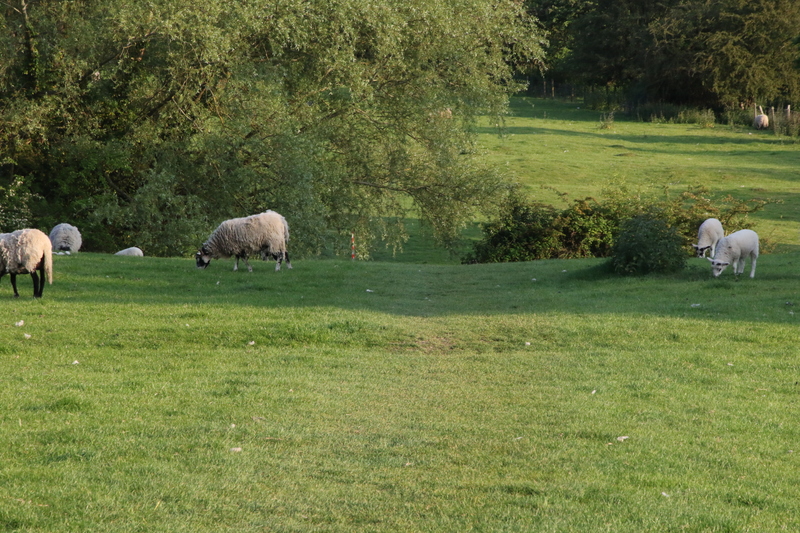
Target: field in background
{"points": [[559, 144], [141, 394]]}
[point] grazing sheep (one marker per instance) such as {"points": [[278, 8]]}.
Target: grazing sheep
{"points": [[133, 251], [761, 122], [265, 233], [708, 235], [65, 238], [24, 252], [734, 249]]}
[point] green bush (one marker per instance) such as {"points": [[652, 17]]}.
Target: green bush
{"points": [[587, 227], [647, 244]]}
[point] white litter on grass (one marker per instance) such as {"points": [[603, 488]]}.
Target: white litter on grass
{"points": [[594, 391], [251, 343], [527, 344], [75, 362], [563, 271], [20, 323], [623, 439], [26, 336], [695, 305], [533, 279], [370, 290], [236, 450], [665, 494], [730, 364]]}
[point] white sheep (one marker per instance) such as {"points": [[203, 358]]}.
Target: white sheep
{"points": [[265, 234], [24, 252], [708, 236], [761, 122], [133, 251], [65, 238], [734, 249]]}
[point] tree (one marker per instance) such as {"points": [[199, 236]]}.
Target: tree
{"points": [[149, 123]]}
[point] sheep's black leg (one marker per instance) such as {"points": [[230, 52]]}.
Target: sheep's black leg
{"points": [[14, 285], [41, 278], [36, 291], [288, 263]]}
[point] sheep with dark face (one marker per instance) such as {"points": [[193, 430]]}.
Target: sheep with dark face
{"points": [[27, 251], [65, 238], [265, 234]]}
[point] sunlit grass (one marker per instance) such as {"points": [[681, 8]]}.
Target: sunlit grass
{"points": [[369, 396]]}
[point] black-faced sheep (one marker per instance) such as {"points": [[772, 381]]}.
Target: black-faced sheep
{"points": [[734, 249], [265, 234], [24, 252], [133, 251], [65, 238], [708, 236]]}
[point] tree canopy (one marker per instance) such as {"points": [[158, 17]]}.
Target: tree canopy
{"points": [[713, 53], [147, 123]]}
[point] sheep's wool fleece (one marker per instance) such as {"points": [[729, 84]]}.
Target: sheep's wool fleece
{"points": [[66, 237], [21, 251], [133, 251], [249, 235]]}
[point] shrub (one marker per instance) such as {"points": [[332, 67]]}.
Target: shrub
{"points": [[647, 244]]}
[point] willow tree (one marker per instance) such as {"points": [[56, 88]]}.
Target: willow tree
{"points": [[149, 122]]}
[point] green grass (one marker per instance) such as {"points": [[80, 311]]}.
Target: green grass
{"points": [[560, 144], [388, 396]]}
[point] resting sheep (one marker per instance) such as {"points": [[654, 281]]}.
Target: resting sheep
{"points": [[24, 252], [65, 238], [133, 251], [265, 234], [708, 235], [734, 249]]}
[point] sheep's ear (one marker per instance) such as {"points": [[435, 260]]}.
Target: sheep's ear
{"points": [[695, 246]]}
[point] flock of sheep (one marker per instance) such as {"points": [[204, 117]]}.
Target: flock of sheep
{"points": [[29, 251]]}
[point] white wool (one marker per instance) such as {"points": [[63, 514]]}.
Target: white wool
{"points": [[708, 236], [65, 238], [22, 251], [761, 122], [734, 249], [133, 251]]}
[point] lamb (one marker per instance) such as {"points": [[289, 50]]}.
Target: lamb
{"points": [[708, 235], [133, 251], [24, 252], [65, 238], [265, 234], [760, 120], [734, 249]]}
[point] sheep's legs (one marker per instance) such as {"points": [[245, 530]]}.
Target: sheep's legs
{"points": [[38, 284], [753, 266], [14, 285]]}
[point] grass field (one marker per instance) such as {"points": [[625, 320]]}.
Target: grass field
{"points": [[559, 144], [412, 393], [141, 394]]}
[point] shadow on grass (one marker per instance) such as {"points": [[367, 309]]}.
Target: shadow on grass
{"points": [[582, 286]]}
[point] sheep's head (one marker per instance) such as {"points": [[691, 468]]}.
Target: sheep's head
{"points": [[700, 250], [717, 267], [203, 257]]}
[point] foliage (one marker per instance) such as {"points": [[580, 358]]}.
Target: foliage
{"points": [[15, 202], [647, 244], [340, 115], [588, 227], [720, 54]]}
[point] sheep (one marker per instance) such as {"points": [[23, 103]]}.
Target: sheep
{"points": [[760, 120], [65, 238], [133, 251], [734, 249], [24, 252], [708, 235], [265, 234]]}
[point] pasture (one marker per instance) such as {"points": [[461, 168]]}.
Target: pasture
{"points": [[412, 393], [141, 394]]}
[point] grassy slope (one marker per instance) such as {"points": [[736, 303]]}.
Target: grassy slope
{"points": [[388, 396], [556, 143]]}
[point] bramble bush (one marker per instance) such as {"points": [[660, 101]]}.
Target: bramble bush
{"points": [[589, 227], [647, 244]]}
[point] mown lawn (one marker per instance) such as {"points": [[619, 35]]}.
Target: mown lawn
{"points": [[391, 396]]}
